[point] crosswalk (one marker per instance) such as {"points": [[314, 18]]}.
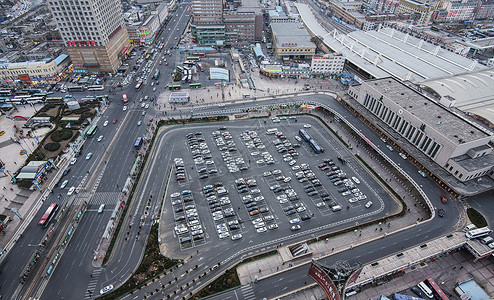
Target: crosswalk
{"points": [[248, 292], [90, 291], [107, 198]]}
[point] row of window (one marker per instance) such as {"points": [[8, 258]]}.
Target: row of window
{"points": [[415, 136], [296, 50]]}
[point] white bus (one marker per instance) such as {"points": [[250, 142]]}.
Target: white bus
{"points": [[480, 232], [425, 289], [96, 88]]}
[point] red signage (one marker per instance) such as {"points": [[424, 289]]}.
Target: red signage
{"points": [[24, 77], [114, 32], [81, 43], [354, 276], [324, 282]]}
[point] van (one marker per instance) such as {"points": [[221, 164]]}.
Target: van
{"points": [[101, 208], [425, 289], [487, 240], [185, 239]]}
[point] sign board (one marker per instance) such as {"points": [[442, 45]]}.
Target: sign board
{"points": [[324, 281], [354, 276]]}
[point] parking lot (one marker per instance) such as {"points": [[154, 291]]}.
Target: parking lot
{"points": [[261, 180]]}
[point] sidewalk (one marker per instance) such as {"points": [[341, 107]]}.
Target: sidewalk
{"points": [[11, 196]]}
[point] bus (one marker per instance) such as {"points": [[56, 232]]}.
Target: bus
{"points": [[48, 215], [152, 51], [315, 146], [304, 135], [32, 91], [156, 74], [148, 56], [180, 69], [77, 88], [201, 67], [138, 143], [199, 54], [40, 95], [194, 85], [54, 99], [425, 289], [435, 287], [193, 58], [186, 78], [189, 63], [139, 85], [4, 93], [92, 130], [96, 88], [20, 93], [124, 98], [480, 232], [174, 87]]}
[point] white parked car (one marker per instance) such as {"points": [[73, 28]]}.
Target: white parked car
{"points": [[73, 160], [106, 123], [368, 204], [124, 108], [356, 180], [147, 106], [307, 126], [64, 184], [106, 289]]}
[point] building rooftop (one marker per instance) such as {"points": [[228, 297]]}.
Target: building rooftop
{"points": [[294, 33], [434, 116], [472, 92], [388, 52]]}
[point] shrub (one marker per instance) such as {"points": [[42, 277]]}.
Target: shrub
{"points": [[55, 136], [66, 134], [476, 217], [52, 146]]}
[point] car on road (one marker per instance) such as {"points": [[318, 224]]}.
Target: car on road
{"points": [[422, 173], [368, 204], [88, 156], [106, 289], [444, 199], [149, 124], [307, 126], [100, 138], [139, 123], [390, 148], [73, 160], [402, 155], [143, 104], [71, 191], [143, 113], [147, 106], [64, 184], [440, 212], [106, 123], [356, 180], [114, 120], [125, 108], [101, 208]]}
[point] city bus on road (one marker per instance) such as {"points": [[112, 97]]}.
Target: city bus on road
{"points": [[124, 98], [77, 88], [476, 233], [194, 85], [199, 54], [174, 87], [96, 88], [148, 57], [92, 130], [138, 143], [189, 63], [194, 58], [139, 85], [201, 67], [4, 93], [436, 289], [48, 215], [180, 69]]}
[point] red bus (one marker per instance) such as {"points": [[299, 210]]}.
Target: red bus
{"points": [[124, 96], [435, 287], [48, 215], [199, 54], [138, 85]]}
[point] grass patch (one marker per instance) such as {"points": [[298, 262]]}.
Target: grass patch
{"points": [[476, 217], [260, 256], [228, 280], [152, 265]]}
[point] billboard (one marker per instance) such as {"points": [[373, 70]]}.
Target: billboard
{"points": [[25, 78], [324, 281]]}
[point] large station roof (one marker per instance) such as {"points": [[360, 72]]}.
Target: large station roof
{"points": [[388, 52]]}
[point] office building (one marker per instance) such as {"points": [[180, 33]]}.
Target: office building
{"points": [[329, 64], [93, 31], [291, 41], [415, 7]]}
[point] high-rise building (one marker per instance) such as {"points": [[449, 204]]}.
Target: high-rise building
{"points": [[207, 26], [93, 31]]}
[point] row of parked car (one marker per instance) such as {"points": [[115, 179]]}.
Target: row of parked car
{"points": [[188, 226], [233, 160], [201, 154], [222, 211]]}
